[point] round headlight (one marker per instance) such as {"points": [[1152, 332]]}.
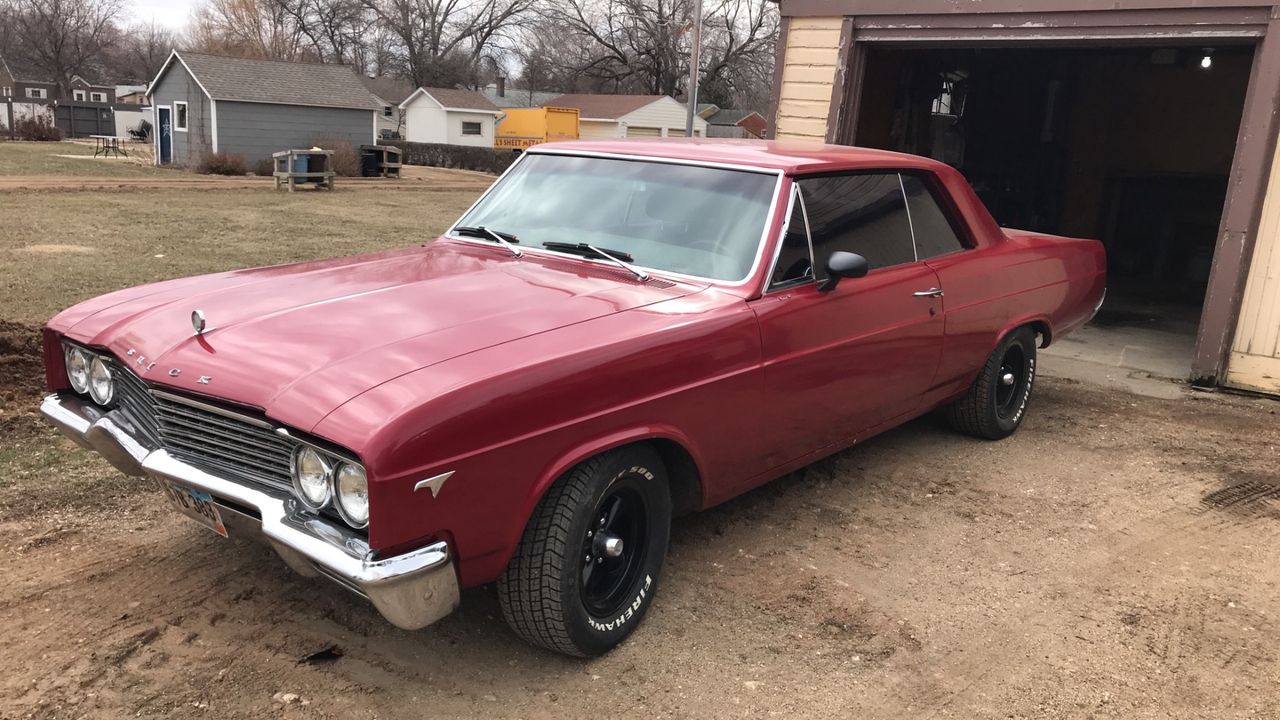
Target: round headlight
{"points": [[353, 495], [311, 478], [101, 386], [78, 369]]}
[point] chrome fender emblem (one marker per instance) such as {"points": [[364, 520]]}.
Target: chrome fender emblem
{"points": [[434, 484]]}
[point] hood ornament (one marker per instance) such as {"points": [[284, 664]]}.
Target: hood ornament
{"points": [[197, 321]]}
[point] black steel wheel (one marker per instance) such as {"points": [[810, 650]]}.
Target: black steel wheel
{"points": [[589, 561], [997, 401]]}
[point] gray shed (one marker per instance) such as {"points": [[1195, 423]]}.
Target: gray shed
{"points": [[252, 108]]}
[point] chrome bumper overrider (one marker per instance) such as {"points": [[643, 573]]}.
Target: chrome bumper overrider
{"points": [[411, 590]]}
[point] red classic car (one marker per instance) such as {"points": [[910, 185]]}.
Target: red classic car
{"points": [[615, 333]]}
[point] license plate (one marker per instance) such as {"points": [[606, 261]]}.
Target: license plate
{"points": [[197, 505]]}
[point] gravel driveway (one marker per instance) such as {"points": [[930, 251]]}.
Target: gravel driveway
{"points": [[1115, 558]]}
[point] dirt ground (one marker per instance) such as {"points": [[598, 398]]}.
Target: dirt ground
{"points": [[1115, 558]]}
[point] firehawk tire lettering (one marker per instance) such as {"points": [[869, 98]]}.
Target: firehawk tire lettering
{"points": [[541, 591]]}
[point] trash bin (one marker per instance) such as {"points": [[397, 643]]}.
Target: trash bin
{"points": [[370, 161], [301, 164]]}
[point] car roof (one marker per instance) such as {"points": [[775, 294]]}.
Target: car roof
{"points": [[789, 156]]}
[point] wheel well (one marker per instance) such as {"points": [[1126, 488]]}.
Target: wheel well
{"points": [[686, 484], [1041, 328]]}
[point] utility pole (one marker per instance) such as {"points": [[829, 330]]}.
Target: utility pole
{"points": [[694, 54]]}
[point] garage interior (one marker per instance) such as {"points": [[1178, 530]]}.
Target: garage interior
{"points": [[1130, 145]]}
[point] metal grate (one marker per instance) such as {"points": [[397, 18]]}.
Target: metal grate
{"points": [[205, 435]]}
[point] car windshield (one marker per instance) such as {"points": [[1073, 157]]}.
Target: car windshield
{"points": [[701, 221]]}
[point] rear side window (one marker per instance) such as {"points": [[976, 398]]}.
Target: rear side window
{"points": [[934, 231], [795, 263], [864, 214]]}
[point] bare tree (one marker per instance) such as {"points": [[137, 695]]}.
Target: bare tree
{"points": [[246, 28], [442, 42], [141, 51], [62, 38], [643, 45], [333, 29]]}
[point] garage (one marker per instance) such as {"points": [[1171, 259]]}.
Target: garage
{"points": [[1144, 125]]}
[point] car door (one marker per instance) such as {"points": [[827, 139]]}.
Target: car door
{"points": [[840, 362], [944, 243]]}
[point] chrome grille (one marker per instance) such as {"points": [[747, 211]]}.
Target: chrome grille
{"points": [[205, 435], [136, 404]]}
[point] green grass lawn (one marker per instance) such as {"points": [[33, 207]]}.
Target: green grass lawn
{"points": [[41, 158], [57, 248]]}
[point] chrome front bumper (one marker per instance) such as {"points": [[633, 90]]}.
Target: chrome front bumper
{"points": [[411, 590]]}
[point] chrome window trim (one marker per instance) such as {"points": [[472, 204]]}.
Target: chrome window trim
{"points": [[911, 223], [796, 194], [760, 244]]}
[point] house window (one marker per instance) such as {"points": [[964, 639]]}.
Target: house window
{"points": [[97, 97], [77, 95], [387, 111], [180, 116], [471, 128], [38, 93], [6, 91]]}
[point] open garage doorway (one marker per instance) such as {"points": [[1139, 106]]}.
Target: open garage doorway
{"points": [[1132, 146]]}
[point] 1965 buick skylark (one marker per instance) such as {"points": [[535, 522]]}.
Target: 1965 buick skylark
{"points": [[615, 333]]}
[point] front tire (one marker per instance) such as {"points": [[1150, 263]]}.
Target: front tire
{"points": [[588, 564], [997, 401]]}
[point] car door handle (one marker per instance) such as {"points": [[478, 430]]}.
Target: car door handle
{"points": [[930, 293]]}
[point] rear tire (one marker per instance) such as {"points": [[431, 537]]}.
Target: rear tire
{"points": [[588, 565], [997, 401]]}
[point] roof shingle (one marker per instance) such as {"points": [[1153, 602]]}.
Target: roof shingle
{"points": [[604, 107], [461, 99], [279, 82]]}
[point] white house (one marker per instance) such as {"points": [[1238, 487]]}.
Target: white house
{"points": [[618, 116], [449, 116]]}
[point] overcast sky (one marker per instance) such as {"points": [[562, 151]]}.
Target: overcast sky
{"points": [[169, 13]]}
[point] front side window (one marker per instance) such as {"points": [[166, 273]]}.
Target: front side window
{"points": [[470, 128], [77, 95], [38, 93], [934, 232], [98, 97], [179, 116], [387, 111], [858, 213], [795, 260], [700, 221]]}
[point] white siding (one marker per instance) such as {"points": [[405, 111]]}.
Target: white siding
{"points": [[599, 130], [454, 129], [665, 115], [425, 121]]}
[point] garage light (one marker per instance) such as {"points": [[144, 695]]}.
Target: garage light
{"points": [[1206, 62]]}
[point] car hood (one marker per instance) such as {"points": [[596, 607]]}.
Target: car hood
{"points": [[297, 341]]}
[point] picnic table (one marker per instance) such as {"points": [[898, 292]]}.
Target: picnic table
{"points": [[106, 145]]}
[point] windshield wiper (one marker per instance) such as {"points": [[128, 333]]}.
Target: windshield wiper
{"points": [[617, 257], [506, 239]]}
